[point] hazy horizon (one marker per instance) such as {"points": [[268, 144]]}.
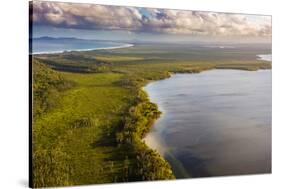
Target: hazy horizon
{"points": [[103, 22]]}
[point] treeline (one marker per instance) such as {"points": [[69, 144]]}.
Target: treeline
{"points": [[130, 158], [46, 85], [146, 164], [52, 166]]}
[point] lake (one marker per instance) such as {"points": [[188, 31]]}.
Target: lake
{"points": [[214, 123]]}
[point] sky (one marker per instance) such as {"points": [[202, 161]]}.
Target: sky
{"points": [[90, 21]]}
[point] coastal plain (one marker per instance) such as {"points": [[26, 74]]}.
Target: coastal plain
{"points": [[90, 113]]}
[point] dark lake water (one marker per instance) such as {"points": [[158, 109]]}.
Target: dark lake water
{"points": [[213, 123]]}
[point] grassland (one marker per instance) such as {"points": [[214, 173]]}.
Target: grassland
{"points": [[90, 114]]}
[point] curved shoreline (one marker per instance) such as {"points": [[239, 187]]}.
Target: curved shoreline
{"points": [[85, 50], [145, 140]]}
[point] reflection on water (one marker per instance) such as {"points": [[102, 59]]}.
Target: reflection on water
{"points": [[214, 123]]}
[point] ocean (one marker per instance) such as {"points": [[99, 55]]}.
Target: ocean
{"points": [[47, 45]]}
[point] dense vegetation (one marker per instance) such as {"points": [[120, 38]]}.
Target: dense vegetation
{"points": [[90, 113], [47, 85]]}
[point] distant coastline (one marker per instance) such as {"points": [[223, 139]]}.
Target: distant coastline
{"points": [[51, 45], [80, 50], [265, 57]]}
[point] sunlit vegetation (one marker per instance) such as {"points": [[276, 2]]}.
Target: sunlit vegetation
{"points": [[47, 84], [90, 114]]}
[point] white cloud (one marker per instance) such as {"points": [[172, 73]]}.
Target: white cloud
{"points": [[89, 16]]}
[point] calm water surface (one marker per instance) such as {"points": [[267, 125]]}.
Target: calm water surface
{"points": [[58, 45], [214, 123]]}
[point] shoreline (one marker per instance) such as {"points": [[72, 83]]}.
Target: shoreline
{"points": [[84, 50], [148, 141], [138, 118], [265, 57]]}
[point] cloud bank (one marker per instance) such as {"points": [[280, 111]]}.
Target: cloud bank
{"points": [[89, 16]]}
